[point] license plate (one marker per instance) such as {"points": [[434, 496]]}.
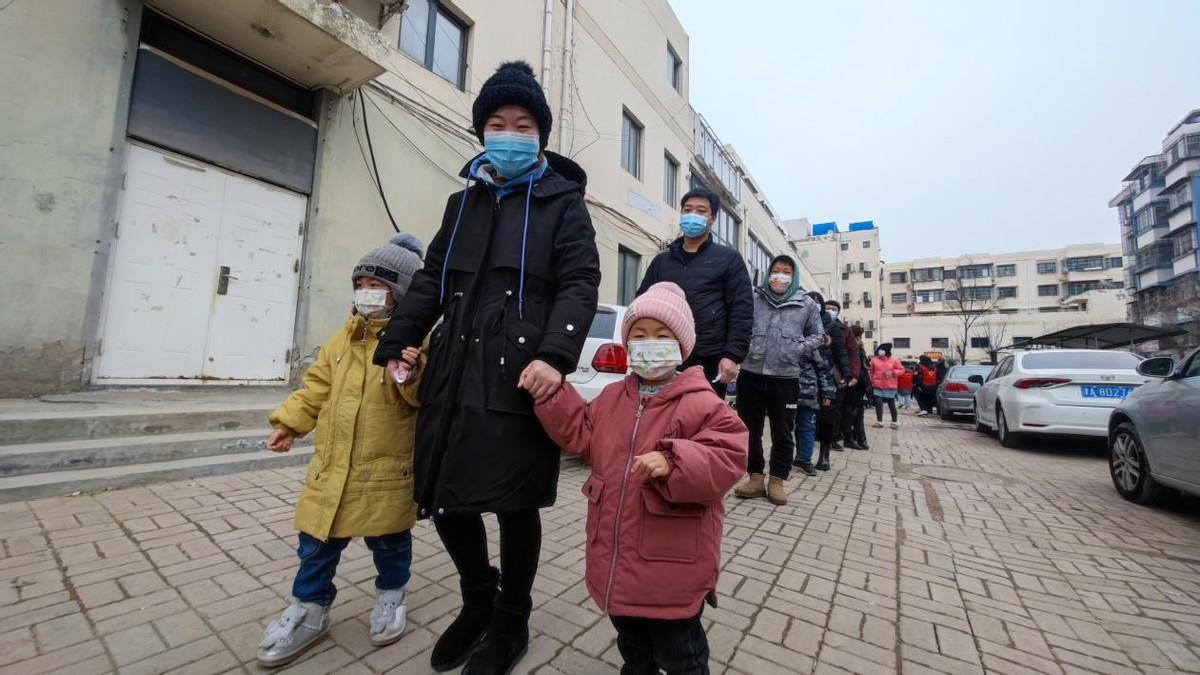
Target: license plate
{"points": [[1104, 391]]}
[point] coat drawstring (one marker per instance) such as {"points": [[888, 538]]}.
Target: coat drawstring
{"points": [[524, 241], [450, 246]]}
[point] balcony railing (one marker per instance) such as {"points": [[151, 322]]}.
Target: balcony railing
{"points": [[1160, 253], [712, 154]]}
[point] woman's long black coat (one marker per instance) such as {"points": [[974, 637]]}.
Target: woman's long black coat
{"points": [[479, 448]]}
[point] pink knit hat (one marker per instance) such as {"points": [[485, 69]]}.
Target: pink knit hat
{"points": [[664, 302]]}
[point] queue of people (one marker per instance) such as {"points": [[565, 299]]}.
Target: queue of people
{"points": [[444, 397]]}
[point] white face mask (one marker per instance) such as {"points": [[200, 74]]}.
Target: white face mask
{"points": [[880, 352], [781, 282], [654, 359], [371, 302]]}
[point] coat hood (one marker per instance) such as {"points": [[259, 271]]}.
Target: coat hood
{"points": [[566, 175], [778, 299]]}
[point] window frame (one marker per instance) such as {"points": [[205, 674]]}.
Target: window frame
{"points": [[981, 342], [907, 343], [1006, 292], [1006, 270], [624, 256], [1056, 294], [674, 69], [1047, 267], [436, 8], [630, 122], [903, 298], [944, 343], [670, 187]]}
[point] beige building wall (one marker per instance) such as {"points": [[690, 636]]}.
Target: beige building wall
{"points": [[846, 267], [1056, 296], [59, 176]]}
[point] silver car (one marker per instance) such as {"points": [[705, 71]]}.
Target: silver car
{"points": [[956, 393], [1154, 434]]}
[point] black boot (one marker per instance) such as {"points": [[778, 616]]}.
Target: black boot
{"points": [[823, 460], [467, 629], [505, 642]]}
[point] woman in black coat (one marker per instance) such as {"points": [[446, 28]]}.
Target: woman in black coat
{"points": [[513, 274]]}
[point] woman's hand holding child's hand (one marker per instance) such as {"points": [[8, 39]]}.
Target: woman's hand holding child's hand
{"points": [[406, 367], [541, 380], [653, 464], [280, 440]]}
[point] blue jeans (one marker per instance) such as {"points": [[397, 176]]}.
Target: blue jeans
{"points": [[319, 561], [806, 434]]}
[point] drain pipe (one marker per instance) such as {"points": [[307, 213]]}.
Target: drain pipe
{"points": [[565, 100], [547, 38]]}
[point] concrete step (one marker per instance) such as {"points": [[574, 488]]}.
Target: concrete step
{"points": [[78, 423], [29, 458], [63, 482]]}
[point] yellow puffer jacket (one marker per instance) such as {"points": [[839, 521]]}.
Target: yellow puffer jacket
{"points": [[360, 481]]}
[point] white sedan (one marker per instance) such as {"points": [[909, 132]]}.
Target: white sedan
{"points": [[603, 359], [1056, 391]]}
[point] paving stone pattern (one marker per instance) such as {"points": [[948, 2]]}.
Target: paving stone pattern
{"points": [[1005, 561]]}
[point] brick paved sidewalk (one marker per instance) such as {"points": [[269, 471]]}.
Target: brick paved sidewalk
{"points": [[937, 551]]}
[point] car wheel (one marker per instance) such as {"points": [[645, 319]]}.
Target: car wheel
{"points": [[1007, 438], [1128, 466]]}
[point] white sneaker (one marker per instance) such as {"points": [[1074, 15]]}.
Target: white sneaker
{"points": [[389, 617]]}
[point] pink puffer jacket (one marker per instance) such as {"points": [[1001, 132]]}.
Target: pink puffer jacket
{"points": [[885, 372], [653, 545]]}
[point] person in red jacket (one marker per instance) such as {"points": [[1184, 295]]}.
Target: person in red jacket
{"points": [[904, 387], [664, 450]]}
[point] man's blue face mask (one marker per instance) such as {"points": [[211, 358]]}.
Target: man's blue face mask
{"points": [[511, 153], [693, 224]]}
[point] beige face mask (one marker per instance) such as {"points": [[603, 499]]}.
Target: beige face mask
{"points": [[371, 302], [654, 359]]}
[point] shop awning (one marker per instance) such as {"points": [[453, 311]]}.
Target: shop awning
{"points": [[1099, 336]]}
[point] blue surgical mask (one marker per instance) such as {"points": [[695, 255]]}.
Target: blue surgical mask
{"points": [[511, 153], [833, 314], [693, 225]]}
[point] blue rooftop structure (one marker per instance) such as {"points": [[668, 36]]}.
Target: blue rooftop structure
{"points": [[862, 225], [819, 229]]}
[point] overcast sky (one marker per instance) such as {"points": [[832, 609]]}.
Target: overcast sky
{"points": [[958, 126]]}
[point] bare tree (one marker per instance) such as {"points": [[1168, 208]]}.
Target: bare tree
{"points": [[968, 298], [996, 332]]}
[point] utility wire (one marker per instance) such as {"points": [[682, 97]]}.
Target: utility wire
{"points": [[362, 100]]}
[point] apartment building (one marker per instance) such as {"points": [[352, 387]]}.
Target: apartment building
{"points": [[963, 309], [846, 266], [187, 182], [1155, 209]]}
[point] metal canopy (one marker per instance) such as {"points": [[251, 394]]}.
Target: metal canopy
{"points": [[1099, 336]]}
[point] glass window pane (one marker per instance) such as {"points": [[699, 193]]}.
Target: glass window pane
{"points": [[604, 326], [414, 27], [447, 49]]}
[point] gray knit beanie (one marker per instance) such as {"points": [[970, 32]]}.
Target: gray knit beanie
{"points": [[394, 263]]}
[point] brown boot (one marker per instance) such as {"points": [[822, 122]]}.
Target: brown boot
{"points": [[753, 487], [775, 493]]}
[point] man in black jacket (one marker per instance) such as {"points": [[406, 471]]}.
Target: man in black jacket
{"points": [[717, 286]]}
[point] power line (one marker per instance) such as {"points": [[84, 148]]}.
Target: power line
{"points": [[362, 100]]}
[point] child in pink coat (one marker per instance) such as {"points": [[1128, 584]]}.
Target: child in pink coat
{"points": [[664, 450], [885, 380]]}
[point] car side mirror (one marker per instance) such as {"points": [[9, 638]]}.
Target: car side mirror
{"points": [[977, 379], [1160, 366]]}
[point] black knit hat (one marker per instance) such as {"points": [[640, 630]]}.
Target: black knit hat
{"points": [[513, 83]]}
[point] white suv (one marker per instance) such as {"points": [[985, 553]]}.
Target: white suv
{"points": [[603, 359]]}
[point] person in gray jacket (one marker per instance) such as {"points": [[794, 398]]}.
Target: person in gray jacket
{"points": [[787, 329]]}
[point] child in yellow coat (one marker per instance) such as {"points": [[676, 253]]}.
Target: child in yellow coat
{"points": [[359, 482]]}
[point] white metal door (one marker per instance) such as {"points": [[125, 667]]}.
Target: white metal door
{"points": [[252, 323], [161, 286], [168, 316]]}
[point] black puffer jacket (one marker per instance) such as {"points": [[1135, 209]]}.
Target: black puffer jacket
{"points": [[834, 349], [479, 447], [717, 286]]}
